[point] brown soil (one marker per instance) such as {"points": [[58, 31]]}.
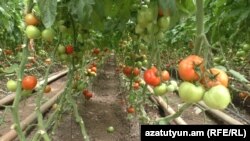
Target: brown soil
{"points": [[100, 112]]}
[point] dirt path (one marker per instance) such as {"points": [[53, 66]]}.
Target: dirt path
{"points": [[103, 110]]}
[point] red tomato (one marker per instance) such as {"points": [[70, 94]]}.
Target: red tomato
{"points": [[93, 69], [69, 49], [96, 51], [29, 82], [127, 71], [136, 86], [131, 110], [154, 69], [151, 78], [88, 95], [7, 52], [188, 68], [136, 71]]}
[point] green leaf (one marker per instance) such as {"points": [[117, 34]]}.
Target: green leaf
{"points": [[108, 8], [48, 11], [11, 69], [238, 76], [97, 22], [82, 8]]}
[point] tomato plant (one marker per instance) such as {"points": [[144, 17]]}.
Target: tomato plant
{"points": [[29, 82]]}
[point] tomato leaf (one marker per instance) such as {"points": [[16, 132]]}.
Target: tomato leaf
{"points": [[11, 69], [238, 76], [48, 11], [82, 8], [221, 68]]}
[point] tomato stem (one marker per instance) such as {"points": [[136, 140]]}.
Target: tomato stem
{"points": [[199, 26], [15, 106], [169, 118]]}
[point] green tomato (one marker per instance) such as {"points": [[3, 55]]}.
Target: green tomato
{"points": [[143, 47], [149, 15], [240, 53], [32, 32], [145, 62], [161, 89], [48, 34], [218, 97], [141, 20], [63, 57], [61, 49], [246, 47], [110, 129], [160, 35], [11, 85], [138, 64], [152, 28], [190, 93], [170, 88], [163, 23], [174, 83], [62, 28], [139, 29]]}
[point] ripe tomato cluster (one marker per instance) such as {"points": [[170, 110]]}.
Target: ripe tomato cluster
{"points": [[159, 81], [131, 72], [64, 52], [200, 84], [92, 70], [33, 32]]}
